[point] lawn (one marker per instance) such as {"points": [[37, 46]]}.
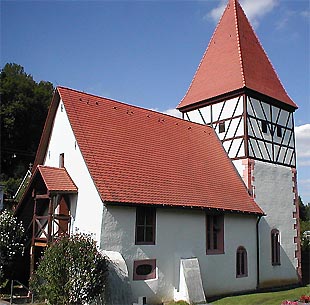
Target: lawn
{"points": [[268, 298]]}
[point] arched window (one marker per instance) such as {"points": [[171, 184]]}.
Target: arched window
{"points": [[241, 262], [275, 247]]}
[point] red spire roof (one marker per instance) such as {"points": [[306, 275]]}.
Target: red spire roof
{"points": [[234, 60], [138, 156]]}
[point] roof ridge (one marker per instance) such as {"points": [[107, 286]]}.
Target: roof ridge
{"points": [[235, 3], [52, 167], [133, 106]]}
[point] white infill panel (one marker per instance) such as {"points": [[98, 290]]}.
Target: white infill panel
{"points": [[191, 281]]}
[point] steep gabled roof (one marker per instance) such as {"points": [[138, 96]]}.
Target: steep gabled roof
{"points": [[138, 156], [233, 60]]}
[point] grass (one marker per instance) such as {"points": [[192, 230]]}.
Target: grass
{"points": [[267, 298]]}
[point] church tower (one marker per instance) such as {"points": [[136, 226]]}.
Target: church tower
{"points": [[237, 91]]}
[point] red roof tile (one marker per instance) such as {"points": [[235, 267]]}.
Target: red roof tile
{"points": [[138, 156], [56, 179], [234, 60]]}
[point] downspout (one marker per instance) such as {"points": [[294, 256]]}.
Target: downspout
{"points": [[257, 253]]}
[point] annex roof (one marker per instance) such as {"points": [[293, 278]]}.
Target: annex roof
{"points": [[233, 60], [139, 156], [56, 179]]}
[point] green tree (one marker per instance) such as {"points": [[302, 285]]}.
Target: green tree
{"points": [[11, 244], [24, 105], [304, 216], [72, 271]]}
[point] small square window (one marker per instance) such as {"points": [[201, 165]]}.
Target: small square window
{"points": [[144, 269], [221, 127], [264, 127], [279, 131]]}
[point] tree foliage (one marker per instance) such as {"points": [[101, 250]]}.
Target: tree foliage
{"points": [[11, 243], [304, 216], [72, 271], [24, 105]]}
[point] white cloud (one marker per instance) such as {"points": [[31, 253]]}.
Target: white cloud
{"points": [[253, 9], [305, 14], [173, 112], [302, 134]]}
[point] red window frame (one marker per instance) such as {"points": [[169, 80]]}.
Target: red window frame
{"points": [[145, 226], [275, 247], [149, 276], [241, 262], [214, 234]]}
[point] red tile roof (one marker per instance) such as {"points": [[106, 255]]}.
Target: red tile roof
{"points": [[138, 156], [234, 60], [56, 179]]}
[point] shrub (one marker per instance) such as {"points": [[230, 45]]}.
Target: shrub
{"points": [[11, 244], [72, 271]]}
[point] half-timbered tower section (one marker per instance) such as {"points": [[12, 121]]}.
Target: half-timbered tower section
{"points": [[237, 91]]}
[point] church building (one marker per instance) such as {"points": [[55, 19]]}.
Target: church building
{"points": [[185, 209]]}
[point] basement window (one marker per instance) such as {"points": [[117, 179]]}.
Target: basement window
{"points": [[144, 269], [221, 127]]}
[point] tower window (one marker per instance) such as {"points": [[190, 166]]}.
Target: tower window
{"points": [[279, 131], [241, 262], [221, 127], [275, 247], [264, 127]]}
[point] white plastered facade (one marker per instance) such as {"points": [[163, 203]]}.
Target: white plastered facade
{"points": [[181, 233], [88, 209], [274, 193]]}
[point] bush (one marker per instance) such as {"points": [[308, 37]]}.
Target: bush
{"points": [[11, 244], [72, 271]]}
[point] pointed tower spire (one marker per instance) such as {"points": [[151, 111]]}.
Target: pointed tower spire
{"points": [[234, 61]]}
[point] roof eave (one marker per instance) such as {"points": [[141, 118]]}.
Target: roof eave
{"points": [[235, 93], [180, 206]]}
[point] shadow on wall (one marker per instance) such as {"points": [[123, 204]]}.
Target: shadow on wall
{"points": [[283, 274], [118, 289]]}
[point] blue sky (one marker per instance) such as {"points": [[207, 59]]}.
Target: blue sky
{"points": [[146, 52]]}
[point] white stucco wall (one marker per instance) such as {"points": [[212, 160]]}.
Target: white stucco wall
{"points": [[274, 194], [180, 233], [87, 214]]}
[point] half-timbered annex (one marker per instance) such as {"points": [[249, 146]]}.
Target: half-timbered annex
{"points": [[188, 208]]}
